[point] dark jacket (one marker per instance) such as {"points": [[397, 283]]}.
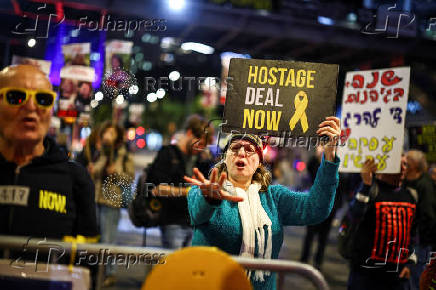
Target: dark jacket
{"points": [[426, 215], [50, 197], [169, 167], [384, 239]]}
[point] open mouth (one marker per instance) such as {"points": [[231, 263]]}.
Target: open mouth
{"points": [[240, 164], [29, 120]]}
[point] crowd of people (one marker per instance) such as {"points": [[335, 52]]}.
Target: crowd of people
{"points": [[234, 202]]}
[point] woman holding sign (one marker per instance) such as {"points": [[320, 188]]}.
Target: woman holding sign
{"points": [[239, 211]]}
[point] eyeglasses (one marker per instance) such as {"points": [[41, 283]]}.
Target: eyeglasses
{"points": [[19, 96], [248, 148]]}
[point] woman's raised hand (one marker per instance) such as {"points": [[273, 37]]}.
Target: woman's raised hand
{"points": [[212, 188], [331, 127]]}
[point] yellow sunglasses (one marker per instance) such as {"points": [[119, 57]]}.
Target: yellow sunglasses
{"points": [[19, 96]]}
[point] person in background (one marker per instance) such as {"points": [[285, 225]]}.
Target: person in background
{"points": [[383, 244], [418, 179], [171, 164], [321, 230], [113, 166], [91, 150], [433, 174], [56, 196], [239, 211]]}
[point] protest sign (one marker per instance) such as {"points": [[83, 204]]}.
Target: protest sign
{"points": [[272, 97], [373, 115]]}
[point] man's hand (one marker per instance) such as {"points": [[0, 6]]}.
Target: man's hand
{"points": [[331, 127], [368, 169], [405, 273], [212, 188]]}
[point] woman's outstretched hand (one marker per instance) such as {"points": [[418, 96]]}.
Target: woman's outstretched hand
{"points": [[331, 127], [212, 188]]}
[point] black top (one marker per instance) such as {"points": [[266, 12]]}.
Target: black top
{"points": [[169, 167], [50, 197], [426, 208], [385, 234]]}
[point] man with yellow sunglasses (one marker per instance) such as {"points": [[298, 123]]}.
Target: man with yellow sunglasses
{"points": [[42, 194]]}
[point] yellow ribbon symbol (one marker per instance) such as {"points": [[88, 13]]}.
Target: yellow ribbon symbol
{"points": [[300, 112]]}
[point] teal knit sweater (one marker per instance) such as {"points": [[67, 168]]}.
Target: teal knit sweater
{"points": [[220, 226]]}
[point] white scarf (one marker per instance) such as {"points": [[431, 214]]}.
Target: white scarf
{"points": [[253, 219]]}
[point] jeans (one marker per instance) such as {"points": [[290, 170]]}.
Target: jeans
{"points": [[109, 218], [423, 254], [171, 234]]}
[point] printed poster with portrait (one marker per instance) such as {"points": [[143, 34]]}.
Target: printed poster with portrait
{"points": [[277, 98], [374, 106], [76, 54], [118, 55], [75, 90]]}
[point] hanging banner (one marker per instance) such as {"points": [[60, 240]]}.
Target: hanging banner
{"points": [[374, 106], [273, 97], [43, 65]]}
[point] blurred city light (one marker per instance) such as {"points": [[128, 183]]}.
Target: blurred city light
{"points": [[160, 93], [75, 32], [94, 104], [140, 143], [85, 132], [131, 135], [325, 20], [98, 96], [95, 56], [167, 42], [177, 4], [151, 97], [352, 17], [140, 131], [154, 141], [133, 90], [174, 75], [198, 47], [120, 99], [31, 42], [300, 166]]}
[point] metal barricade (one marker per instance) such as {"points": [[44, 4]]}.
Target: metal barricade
{"points": [[42, 245]]}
